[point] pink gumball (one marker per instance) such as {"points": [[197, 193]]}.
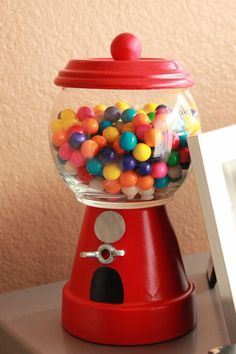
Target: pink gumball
{"points": [[65, 151], [159, 169], [140, 131], [77, 159], [85, 112]]}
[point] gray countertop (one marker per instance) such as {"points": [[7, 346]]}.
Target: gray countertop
{"points": [[30, 322]]}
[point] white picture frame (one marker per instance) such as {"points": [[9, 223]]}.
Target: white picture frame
{"points": [[213, 156]]}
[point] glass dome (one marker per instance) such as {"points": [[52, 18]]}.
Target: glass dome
{"points": [[118, 132]]}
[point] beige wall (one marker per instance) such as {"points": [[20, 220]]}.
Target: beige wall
{"points": [[39, 216]]}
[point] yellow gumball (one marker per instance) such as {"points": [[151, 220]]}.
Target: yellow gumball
{"points": [[99, 108], [140, 110], [111, 134], [150, 107], [68, 122], [56, 125], [122, 106], [67, 114], [142, 152], [111, 171]]}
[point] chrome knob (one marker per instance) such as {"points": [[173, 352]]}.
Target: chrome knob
{"points": [[105, 254]]}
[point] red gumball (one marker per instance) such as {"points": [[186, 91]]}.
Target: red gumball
{"points": [[126, 46], [83, 175], [74, 129], [175, 141], [184, 154]]}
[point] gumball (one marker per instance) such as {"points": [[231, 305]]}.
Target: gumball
{"points": [[76, 139], [74, 129], [151, 116], [173, 158], [175, 172], [99, 108], [147, 194], [97, 183], [159, 169], [128, 141], [128, 163], [140, 118], [59, 138], [150, 107], [153, 137], [77, 159], [175, 141], [89, 148], [128, 127], [184, 155], [56, 125], [145, 182], [161, 183], [84, 112], [94, 167], [112, 114], [67, 114], [108, 154], [162, 108], [130, 192], [143, 168], [127, 115], [104, 124], [116, 146], [70, 169], [69, 122], [90, 126], [113, 187], [128, 178], [140, 131], [118, 125], [111, 134], [100, 140], [83, 175], [111, 171], [183, 139], [121, 105], [65, 151], [142, 152], [141, 111]]}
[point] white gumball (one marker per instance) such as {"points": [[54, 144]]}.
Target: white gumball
{"points": [[130, 192]]}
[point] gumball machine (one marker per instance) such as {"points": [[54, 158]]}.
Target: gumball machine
{"points": [[118, 135]]}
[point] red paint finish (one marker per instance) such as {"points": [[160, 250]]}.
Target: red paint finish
{"points": [[158, 299]]}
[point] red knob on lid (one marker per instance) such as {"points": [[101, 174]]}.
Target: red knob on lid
{"points": [[126, 46]]}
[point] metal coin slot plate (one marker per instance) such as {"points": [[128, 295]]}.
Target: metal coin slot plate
{"points": [[100, 254]]}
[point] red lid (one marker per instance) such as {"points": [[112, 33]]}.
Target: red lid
{"points": [[125, 71]]}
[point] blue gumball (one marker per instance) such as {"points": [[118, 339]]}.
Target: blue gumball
{"points": [[161, 183], [128, 114], [128, 141], [94, 167], [128, 163], [107, 154], [144, 168]]}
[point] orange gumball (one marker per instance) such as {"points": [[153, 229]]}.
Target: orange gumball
{"points": [[140, 118], [153, 137], [113, 187], [100, 140], [128, 127], [89, 149], [116, 146], [59, 138], [145, 182], [128, 178], [90, 126]]}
